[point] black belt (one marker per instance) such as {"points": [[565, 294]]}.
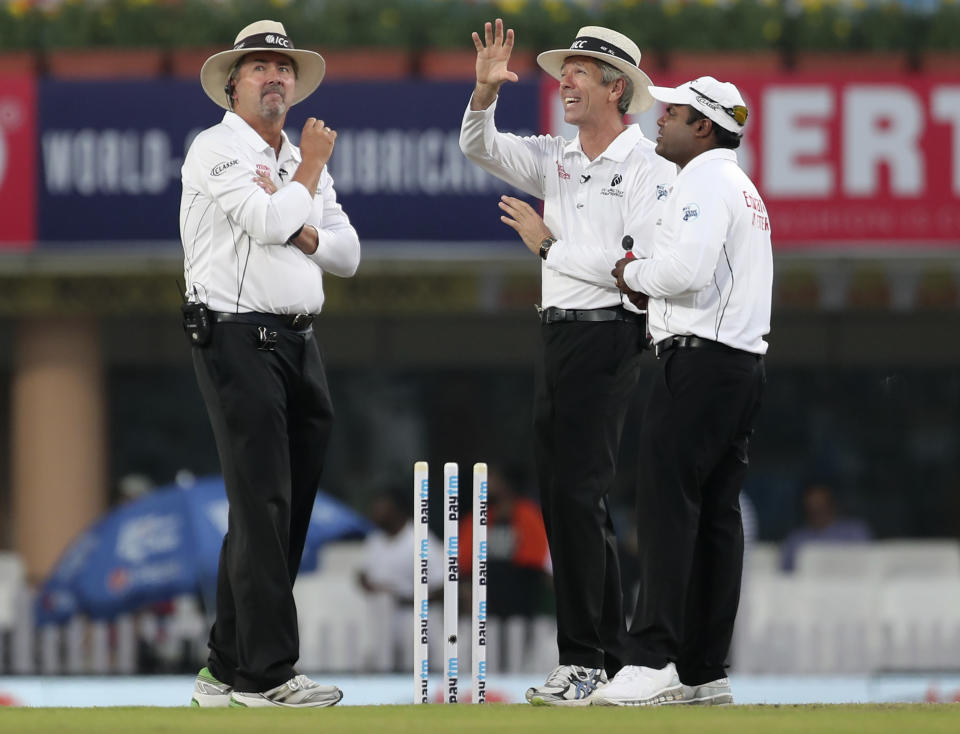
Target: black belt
{"points": [[695, 342], [294, 322], [555, 315]]}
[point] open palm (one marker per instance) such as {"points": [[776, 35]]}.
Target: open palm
{"points": [[493, 55]]}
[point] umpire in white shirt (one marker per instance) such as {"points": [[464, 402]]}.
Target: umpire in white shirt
{"points": [[600, 191], [260, 225], [709, 282]]}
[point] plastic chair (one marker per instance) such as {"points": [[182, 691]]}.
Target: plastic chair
{"points": [[11, 584], [798, 624], [852, 560], [918, 558], [920, 624]]}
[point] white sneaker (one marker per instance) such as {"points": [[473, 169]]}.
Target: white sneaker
{"points": [[208, 692], [715, 693], [567, 685], [298, 692], [635, 685]]}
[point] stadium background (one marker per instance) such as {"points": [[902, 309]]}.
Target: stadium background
{"points": [[854, 140]]}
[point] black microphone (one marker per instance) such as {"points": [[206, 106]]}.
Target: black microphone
{"points": [[627, 244], [282, 172], [584, 178]]}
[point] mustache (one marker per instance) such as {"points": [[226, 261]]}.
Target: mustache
{"points": [[273, 87]]}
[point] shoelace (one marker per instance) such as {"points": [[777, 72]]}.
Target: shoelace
{"points": [[300, 682], [559, 676]]}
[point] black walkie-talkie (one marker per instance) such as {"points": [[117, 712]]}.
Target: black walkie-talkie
{"points": [[196, 320]]}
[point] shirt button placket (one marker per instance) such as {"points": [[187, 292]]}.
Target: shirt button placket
{"points": [[581, 198]]}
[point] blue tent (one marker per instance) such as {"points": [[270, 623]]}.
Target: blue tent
{"points": [[162, 545]]}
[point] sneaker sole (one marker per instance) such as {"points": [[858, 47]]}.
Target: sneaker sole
{"points": [[540, 701], [665, 697], [719, 699], [261, 702], [203, 701]]}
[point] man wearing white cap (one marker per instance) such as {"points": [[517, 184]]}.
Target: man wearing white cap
{"points": [[260, 225], [709, 282], [600, 192]]}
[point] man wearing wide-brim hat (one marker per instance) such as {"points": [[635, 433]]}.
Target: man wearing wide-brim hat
{"points": [[260, 225], [600, 192]]}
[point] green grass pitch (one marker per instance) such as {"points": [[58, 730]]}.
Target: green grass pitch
{"points": [[491, 719]]}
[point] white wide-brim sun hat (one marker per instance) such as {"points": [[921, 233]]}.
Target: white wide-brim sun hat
{"points": [[263, 35], [720, 101], [616, 49]]}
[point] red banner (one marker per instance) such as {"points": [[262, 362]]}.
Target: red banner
{"points": [[846, 158], [18, 161]]}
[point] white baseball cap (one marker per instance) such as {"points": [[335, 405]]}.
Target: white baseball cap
{"points": [[720, 101]]}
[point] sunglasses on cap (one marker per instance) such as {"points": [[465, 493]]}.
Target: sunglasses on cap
{"points": [[737, 112]]}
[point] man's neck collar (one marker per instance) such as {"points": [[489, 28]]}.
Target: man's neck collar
{"points": [[595, 139], [270, 133]]}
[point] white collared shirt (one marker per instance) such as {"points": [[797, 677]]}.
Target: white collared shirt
{"points": [[711, 272], [589, 206], [234, 234]]}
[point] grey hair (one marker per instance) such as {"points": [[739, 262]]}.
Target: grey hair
{"points": [[608, 75]]}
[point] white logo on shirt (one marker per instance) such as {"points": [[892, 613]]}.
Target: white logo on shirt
{"points": [[221, 167], [690, 211], [662, 192]]}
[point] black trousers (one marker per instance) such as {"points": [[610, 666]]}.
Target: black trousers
{"points": [[692, 463], [585, 381], [271, 416]]}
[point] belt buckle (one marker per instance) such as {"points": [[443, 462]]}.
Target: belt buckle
{"points": [[664, 346], [301, 320]]}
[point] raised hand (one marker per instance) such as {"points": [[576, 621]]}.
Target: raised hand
{"points": [[316, 146], [493, 56], [316, 141]]}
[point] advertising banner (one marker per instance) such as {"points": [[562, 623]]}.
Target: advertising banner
{"points": [[845, 159], [17, 169], [111, 152]]}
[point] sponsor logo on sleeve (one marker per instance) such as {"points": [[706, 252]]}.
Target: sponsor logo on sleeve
{"points": [[221, 167]]}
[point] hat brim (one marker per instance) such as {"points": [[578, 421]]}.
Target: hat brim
{"points": [[685, 95], [310, 70], [672, 95], [552, 61]]}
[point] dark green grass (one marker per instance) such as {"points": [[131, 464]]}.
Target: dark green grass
{"points": [[491, 719]]}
